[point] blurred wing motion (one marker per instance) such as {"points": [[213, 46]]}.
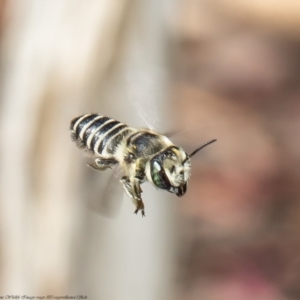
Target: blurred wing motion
{"points": [[142, 89], [106, 193]]}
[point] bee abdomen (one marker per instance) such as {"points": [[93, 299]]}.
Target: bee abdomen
{"points": [[99, 134]]}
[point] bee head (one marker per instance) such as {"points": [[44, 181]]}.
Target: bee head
{"points": [[170, 170]]}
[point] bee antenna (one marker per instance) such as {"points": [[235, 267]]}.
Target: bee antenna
{"points": [[201, 147]]}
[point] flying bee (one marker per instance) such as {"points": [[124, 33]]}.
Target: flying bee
{"points": [[142, 154]]}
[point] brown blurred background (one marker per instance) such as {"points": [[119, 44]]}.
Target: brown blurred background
{"points": [[204, 68]]}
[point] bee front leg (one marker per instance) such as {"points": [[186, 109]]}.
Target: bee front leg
{"points": [[134, 191]]}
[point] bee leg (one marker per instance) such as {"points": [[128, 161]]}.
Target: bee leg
{"points": [[134, 191], [101, 164]]}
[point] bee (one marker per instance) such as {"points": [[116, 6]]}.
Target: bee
{"points": [[142, 155]]}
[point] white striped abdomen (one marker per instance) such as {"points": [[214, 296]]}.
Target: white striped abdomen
{"points": [[99, 134]]}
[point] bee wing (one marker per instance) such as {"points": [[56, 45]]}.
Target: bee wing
{"points": [[106, 193], [142, 89], [171, 134]]}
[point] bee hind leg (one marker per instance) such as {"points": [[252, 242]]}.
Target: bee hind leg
{"points": [[134, 191], [101, 164]]}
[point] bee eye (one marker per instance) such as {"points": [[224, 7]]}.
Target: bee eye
{"points": [[173, 169], [159, 177]]}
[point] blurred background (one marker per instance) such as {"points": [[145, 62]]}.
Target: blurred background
{"points": [[201, 68]]}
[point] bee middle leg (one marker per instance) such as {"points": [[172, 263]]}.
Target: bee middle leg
{"points": [[101, 164], [134, 191]]}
